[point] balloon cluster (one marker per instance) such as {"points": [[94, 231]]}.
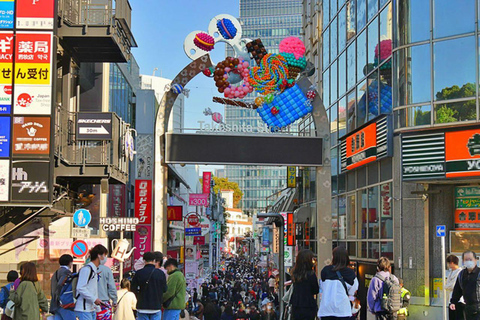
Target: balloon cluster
{"points": [[270, 75], [226, 28], [257, 50], [204, 41], [293, 50], [385, 104], [383, 50], [176, 88], [221, 77], [209, 71], [216, 116]]}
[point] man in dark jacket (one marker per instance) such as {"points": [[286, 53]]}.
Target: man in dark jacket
{"points": [[467, 287], [149, 284], [58, 278]]}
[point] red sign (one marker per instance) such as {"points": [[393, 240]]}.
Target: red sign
{"points": [[79, 248], [290, 230], [198, 199], [142, 240], [207, 179], [35, 14], [33, 47], [6, 47], [200, 240], [193, 220], [174, 213], [116, 197], [143, 201]]}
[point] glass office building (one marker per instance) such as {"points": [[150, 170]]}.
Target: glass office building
{"points": [[272, 21]]}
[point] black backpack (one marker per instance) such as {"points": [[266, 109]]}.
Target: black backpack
{"points": [[392, 295]]}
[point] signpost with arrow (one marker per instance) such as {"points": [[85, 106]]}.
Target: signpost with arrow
{"points": [[94, 126]]}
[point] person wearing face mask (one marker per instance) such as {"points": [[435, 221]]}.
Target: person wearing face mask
{"points": [[107, 291], [467, 286], [87, 287], [269, 313], [58, 278], [454, 271]]}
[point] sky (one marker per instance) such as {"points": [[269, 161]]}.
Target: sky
{"points": [[160, 28]]}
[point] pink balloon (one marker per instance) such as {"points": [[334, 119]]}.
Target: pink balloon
{"points": [[227, 90], [227, 69], [246, 64]]}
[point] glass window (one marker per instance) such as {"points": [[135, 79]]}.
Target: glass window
{"points": [[373, 219], [351, 118], [342, 29], [455, 111], [351, 66], [453, 17], [372, 41], [373, 173], [372, 8], [385, 88], [373, 99], [334, 157], [326, 87], [333, 82], [414, 17], [362, 249], [454, 65], [342, 223], [362, 103], [326, 13], [352, 249], [361, 55], [351, 10], [334, 218], [342, 74], [333, 7], [386, 169], [363, 206], [334, 39], [334, 125], [383, 2], [342, 117], [351, 217], [361, 177], [361, 14], [386, 209], [414, 77], [326, 48], [387, 249], [373, 250], [385, 34], [341, 183], [415, 116]]}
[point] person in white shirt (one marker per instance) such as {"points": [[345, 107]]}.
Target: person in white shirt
{"points": [[452, 264], [127, 302], [87, 287]]}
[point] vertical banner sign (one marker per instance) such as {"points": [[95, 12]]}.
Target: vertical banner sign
{"points": [[207, 178], [7, 11], [142, 241], [143, 201], [4, 137], [33, 73], [290, 230], [291, 177], [6, 70], [117, 203], [35, 14]]}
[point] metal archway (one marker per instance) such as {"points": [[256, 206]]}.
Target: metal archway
{"points": [[323, 173]]}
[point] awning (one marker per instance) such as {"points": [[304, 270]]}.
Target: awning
{"points": [[301, 214]]}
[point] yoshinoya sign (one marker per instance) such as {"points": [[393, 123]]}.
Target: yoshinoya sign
{"points": [[370, 142], [94, 125]]}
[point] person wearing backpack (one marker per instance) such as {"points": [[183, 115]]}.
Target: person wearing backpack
{"points": [[467, 285], [87, 286], [28, 297], [384, 292], [56, 284], [338, 285], [149, 284], [5, 292], [174, 297]]}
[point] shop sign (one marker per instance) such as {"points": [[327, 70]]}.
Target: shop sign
{"points": [[4, 136], [467, 203], [81, 233], [291, 177], [467, 219], [423, 156], [288, 256], [207, 179], [175, 213], [142, 241], [467, 191], [462, 153], [290, 230], [369, 143], [193, 231], [119, 224], [266, 236], [7, 10], [200, 240], [198, 199], [30, 181], [4, 179], [6, 70], [193, 220], [144, 158], [94, 125], [386, 201], [116, 197], [143, 201], [31, 135], [35, 14]]}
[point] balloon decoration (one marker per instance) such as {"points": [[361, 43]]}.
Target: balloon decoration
{"points": [[222, 76], [209, 71], [383, 50], [293, 50], [257, 50], [226, 28], [204, 41], [385, 98], [216, 116], [176, 88], [311, 94], [269, 76]]}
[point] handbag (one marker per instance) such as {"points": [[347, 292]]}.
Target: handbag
{"points": [[355, 309], [10, 309]]}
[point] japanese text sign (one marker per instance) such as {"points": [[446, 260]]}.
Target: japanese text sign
{"points": [[31, 135], [198, 199], [142, 241], [291, 177], [143, 201], [30, 181], [116, 197], [290, 230], [6, 67], [7, 10], [207, 178], [35, 14]]}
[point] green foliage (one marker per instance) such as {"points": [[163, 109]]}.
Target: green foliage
{"points": [[422, 117], [446, 115], [457, 111]]}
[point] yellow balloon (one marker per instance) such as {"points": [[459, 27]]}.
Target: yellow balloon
{"points": [[259, 101]]}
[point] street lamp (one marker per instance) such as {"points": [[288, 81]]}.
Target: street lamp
{"points": [[279, 222]]}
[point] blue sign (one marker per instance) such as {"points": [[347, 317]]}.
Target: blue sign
{"points": [[193, 231], [82, 217], [441, 231], [7, 9], [79, 248], [4, 136]]}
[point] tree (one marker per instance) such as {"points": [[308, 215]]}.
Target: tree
{"points": [[457, 111], [224, 184]]}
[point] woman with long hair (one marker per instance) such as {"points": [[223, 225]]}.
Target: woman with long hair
{"points": [[305, 287], [127, 302], [338, 285], [28, 297]]}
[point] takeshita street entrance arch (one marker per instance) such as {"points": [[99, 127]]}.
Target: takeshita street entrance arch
{"points": [[247, 149]]}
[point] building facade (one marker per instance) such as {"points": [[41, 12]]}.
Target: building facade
{"points": [[399, 81], [272, 21]]}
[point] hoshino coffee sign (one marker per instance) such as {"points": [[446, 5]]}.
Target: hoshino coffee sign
{"points": [[451, 154]]}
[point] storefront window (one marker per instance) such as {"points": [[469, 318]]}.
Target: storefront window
{"points": [[352, 249], [386, 211], [387, 250], [373, 218], [362, 250], [342, 223], [414, 21], [453, 17], [363, 205], [351, 217], [334, 218], [373, 250], [414, 75]]}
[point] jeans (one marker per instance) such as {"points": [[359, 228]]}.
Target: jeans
{"points": [[86, 315], [171, 314], [149, 316], [64, 314]]}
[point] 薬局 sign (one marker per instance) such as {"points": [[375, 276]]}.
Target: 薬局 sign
{"points": [[207, 178], [31, 135], [35, 14], [143, 201], [174, 213], [369, 143], [198, 199], [291, 177]]}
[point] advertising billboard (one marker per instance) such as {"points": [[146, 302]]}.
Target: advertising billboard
{"points": [[31, 135], [143, 201]]}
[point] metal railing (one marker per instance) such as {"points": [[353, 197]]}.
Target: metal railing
{"points": [[86, 12]]}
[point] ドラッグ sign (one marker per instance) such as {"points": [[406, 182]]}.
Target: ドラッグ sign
{"points": [[143, 201]]}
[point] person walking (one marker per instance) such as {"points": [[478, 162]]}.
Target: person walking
{"points": [[149, 284], [127, 302], [338, 285], [271, 284], [467, 285], [87, 287], [29, 298], [56, 283], [107, 292], [454, 271], [12, 275], [227, 313], [377, 291], [402, 314], [269, 313], [305, 287], [174, 297]]}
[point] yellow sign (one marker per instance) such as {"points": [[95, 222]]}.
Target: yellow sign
{"points": [[291, 177], [32, 73], [437, 287], [6, 73]]}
